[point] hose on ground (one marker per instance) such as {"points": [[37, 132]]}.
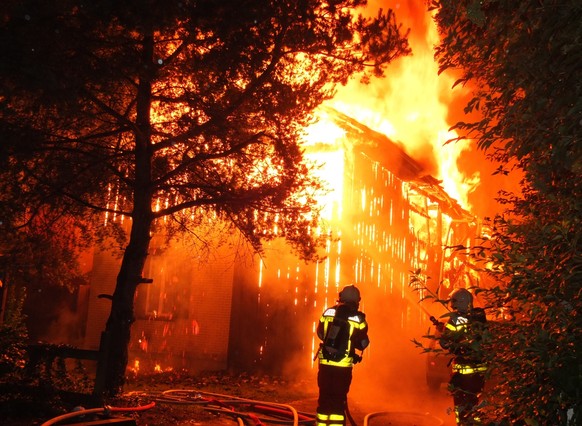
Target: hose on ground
{"points": [[425, 419], [245, 411], [259, 412], [242, 409], [106, 410]]}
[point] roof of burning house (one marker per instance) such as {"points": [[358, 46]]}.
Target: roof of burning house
{"points": [[391, 155]]}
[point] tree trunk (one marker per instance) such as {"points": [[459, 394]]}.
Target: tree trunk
{"points": [[116, 339], [118, 329]]}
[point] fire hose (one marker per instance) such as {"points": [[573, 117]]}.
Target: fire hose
{"points": [[279, 413], [105, 410], [226, 404], [256, 412], [404, 418], [438, 324], [348, 414]]}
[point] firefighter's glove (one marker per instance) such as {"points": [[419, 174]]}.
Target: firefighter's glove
{"points": [[357, 358], [439, 325]]}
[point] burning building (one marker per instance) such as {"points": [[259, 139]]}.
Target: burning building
{"points": [[385, 217]]}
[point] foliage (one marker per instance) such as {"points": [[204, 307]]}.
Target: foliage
{"points": [[194, 110], [45, 251], [521, 60], [538, 347], [176, 116], [418, 283], [13, 335]]}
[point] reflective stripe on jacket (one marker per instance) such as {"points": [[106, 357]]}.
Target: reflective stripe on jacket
{"points": [[455, 331], [358, 336], [469, 369]]}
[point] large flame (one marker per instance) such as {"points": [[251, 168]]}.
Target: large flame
{"points": [[410, 105]]}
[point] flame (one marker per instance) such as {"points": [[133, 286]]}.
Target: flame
{"points": [[143, 343], [135, 368], [330, 171], [411, 105]]}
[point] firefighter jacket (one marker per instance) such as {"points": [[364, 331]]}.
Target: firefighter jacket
{"points": [[461, 337], [358, 333]]}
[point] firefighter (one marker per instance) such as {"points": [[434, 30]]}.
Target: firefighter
{"points": [[461, 336], [343, 330]]}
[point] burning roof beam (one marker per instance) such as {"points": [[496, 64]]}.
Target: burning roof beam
{"points": [[391, 155]]}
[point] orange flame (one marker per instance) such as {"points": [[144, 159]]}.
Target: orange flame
{"points": [[411, 105]]}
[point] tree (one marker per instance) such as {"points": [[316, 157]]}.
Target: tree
{"points": [[13, 335], [521, 59], [196, 107]]}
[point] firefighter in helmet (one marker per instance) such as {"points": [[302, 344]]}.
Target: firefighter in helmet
{"points": [[461, 336], [343, 330]]}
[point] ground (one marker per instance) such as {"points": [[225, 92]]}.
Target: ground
{"points": [[207, 399], [221, 399], [178, 399]]}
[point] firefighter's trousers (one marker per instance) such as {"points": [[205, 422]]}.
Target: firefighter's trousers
{"points": [[334, 384], [466, 389]]}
